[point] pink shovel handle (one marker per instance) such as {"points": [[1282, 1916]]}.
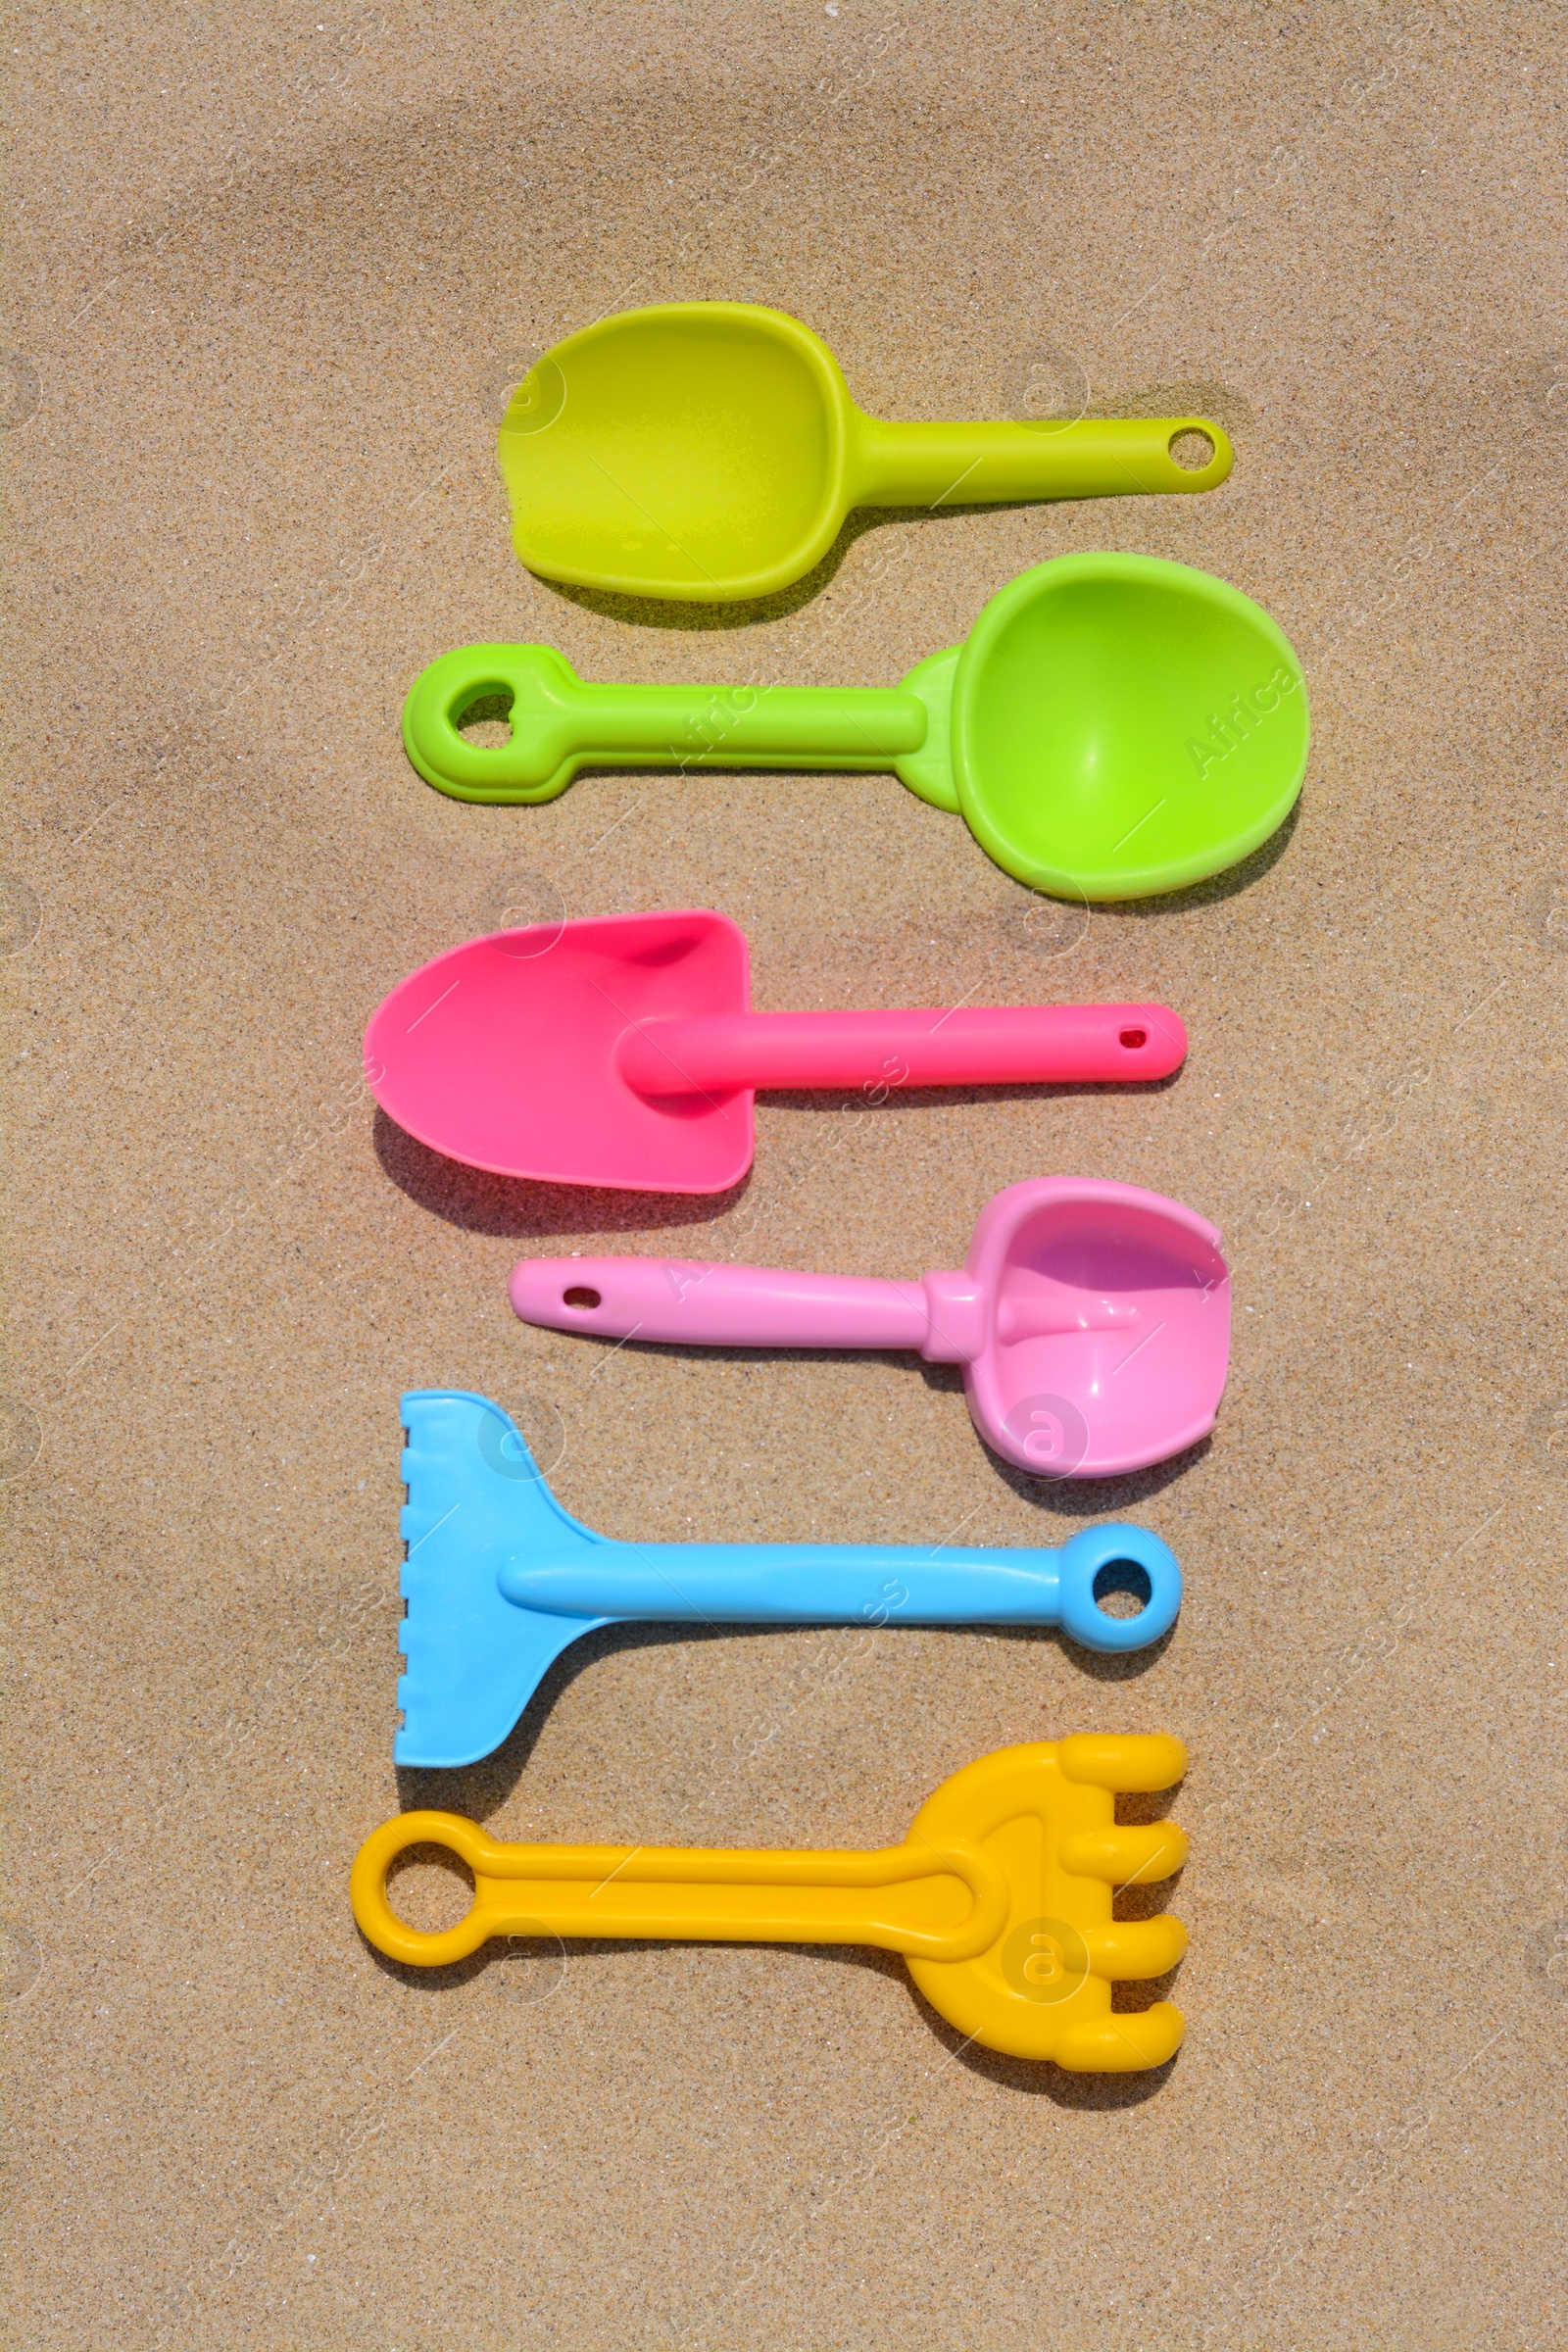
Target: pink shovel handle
{"points": [[717, 1305], [973, 1046]]}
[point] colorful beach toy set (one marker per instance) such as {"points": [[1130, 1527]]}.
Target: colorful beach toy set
{"points": [[1113, 727]]}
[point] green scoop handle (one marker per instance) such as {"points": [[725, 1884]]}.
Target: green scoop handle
{"points": [[560, 723]]}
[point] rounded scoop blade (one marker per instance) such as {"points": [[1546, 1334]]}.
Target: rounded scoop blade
{"points": [[1122, 727], [690, 450], [1110, 1322]]}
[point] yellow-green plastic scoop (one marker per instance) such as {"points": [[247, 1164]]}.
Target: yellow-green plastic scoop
{"points": [[1114, 726], [710, 451]]}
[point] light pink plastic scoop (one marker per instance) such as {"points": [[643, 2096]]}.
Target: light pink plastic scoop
{"points": [[1093, 1320], [622, 1050]]}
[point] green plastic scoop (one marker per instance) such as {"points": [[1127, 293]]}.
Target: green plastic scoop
{"points": [[710, 451], [1114, 726]]}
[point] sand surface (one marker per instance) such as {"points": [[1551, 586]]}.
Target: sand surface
{"points": [[269, 281]]}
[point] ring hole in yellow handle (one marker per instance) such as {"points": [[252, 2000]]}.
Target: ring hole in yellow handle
{"points": [[1190, 450], [438, 1842], [430, 1888]]}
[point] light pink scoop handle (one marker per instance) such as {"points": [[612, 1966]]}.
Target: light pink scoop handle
{"points": [[717, 1305], [722, 1305], [971, 1045]]}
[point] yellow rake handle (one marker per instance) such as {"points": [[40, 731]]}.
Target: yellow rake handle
{"points": [[927, 1901]]}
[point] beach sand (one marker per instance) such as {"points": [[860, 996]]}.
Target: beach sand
{"points": [[269, 283]]}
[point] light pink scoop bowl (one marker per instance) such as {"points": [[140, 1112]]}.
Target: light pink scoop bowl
{"points": [[1092, 1319]]}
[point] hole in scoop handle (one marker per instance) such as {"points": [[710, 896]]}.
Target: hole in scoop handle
{"points": [[880, 1051], [535, 686]]}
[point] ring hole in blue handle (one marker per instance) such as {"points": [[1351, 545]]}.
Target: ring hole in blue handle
{"points": [[1120, 1588], [1126, 1586]]}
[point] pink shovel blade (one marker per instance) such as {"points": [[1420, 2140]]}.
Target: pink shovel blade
{"points": [[1109, 1327], [501, 1052]]}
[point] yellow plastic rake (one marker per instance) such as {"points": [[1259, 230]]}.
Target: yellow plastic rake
{"points": [[999, 1898]]}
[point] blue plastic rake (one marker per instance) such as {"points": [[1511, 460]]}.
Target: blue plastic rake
{"points": [[499, 1580]]}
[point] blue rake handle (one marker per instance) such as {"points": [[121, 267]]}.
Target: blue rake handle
{"points": [[854, 1583], [499, 1580]]}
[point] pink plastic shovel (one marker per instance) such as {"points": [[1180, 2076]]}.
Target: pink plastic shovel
{"points": [[1093, 1320], [622, 1050]]}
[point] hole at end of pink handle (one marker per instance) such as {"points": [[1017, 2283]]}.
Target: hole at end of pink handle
{"points": [[1122, 1589], [1132, 1039], [580, 1296]]}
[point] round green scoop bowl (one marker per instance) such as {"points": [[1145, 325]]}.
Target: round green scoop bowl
{"points": [[1114, 726], [710, 451]]}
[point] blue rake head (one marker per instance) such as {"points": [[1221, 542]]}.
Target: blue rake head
{"points": [[475, 1500]]}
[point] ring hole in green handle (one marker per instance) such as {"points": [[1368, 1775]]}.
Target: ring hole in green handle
{"points": [[1122, 1589], [485, 720], [429, 1888], [1190, 450], [580, 1296]]}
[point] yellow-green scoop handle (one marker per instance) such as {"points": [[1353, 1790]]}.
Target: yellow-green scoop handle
{"points": [[710, 451]]}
